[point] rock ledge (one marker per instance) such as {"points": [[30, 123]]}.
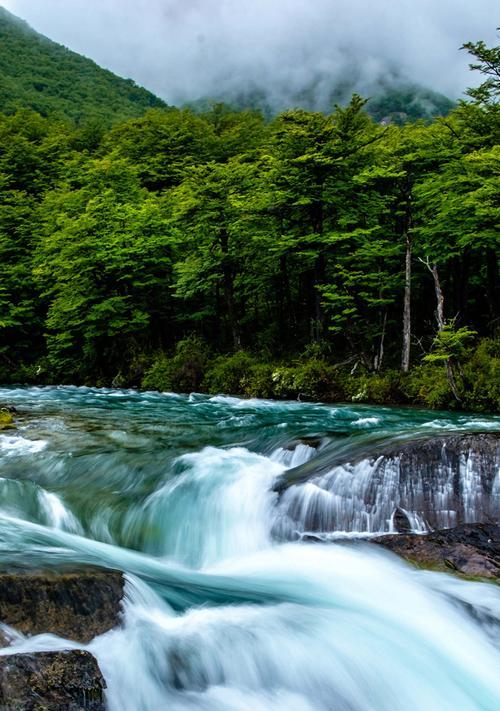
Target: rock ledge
{"points": [[471, 549]]}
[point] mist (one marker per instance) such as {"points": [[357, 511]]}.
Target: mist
{"points": [[186, 49]]}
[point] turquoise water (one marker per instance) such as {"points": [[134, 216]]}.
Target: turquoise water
{"points": [[180, 493]]}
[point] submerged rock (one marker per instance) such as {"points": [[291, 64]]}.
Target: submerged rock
{"points": [[76, 605], [313, 442], [470, 549], [59, 681]]}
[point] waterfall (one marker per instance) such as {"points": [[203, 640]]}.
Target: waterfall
{"points": [[364, 496]]}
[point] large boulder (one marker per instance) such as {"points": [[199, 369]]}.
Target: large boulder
{"points": [[430, 483], [55, 681], [471, 550], [77, 605]]}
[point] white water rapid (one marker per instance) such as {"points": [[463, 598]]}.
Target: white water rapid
{"points": [[226, 609]]}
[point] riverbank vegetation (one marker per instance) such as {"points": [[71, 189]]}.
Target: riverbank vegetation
{"points": [[311, 256]]}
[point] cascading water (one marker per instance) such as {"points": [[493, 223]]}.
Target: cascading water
{"points": [[364, 496], [180, 493]]}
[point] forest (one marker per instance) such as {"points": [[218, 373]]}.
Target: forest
{"points": [[310, 255]]}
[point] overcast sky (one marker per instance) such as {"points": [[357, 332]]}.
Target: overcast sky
{"points": [[184, 49]]}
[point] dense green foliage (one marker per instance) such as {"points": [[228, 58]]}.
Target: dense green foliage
{"points": [[48, 78], [223, 252]]}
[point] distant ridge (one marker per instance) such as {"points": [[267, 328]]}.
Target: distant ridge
{"points": [[392, 101], [51, 79]]}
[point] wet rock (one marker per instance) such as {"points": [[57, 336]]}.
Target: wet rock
{"points": [[5, 640], [55, 681], [401, 522], [438, 482], [76, 605], [313, 442], [471, 549]]}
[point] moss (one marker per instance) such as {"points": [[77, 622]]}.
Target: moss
{"points": [[448, 567], [6, 420]]}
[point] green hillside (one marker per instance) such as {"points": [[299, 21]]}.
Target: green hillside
{"points": [[40, 74]]}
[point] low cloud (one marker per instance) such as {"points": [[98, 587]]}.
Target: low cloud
{"points": [[186, 49]]}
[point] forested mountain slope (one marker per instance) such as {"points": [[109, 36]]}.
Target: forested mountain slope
{"points": [[390, 101], [39, 74]]}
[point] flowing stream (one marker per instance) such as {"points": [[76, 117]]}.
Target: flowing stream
{"points": [[228, 607]]}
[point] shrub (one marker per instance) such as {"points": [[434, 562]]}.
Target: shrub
{"points": [[283, 379], [181, 372], [428, 385], [481, 376], [313, 378], [258, 381], [478, 381], [229, 373], [377, 388]]}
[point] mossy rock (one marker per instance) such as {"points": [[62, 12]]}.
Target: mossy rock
{"points": [[76, 605], [471, 551], [57, 681], [6, 420]]}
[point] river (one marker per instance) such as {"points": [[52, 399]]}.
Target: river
{"points": [[228, 606]]}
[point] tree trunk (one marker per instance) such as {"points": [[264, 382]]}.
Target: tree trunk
{"points": [[228, 289], [405, 359], [377, 364], [439, 298], [450, 375], [406, 230]]}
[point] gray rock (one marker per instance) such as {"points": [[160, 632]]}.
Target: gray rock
{"points": [[51, 681]]}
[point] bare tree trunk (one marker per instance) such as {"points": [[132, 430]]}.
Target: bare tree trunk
{"points": [[318, 324], [450, 375], [405, 358], [439, 298], [228, 290], [380, 355]]}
